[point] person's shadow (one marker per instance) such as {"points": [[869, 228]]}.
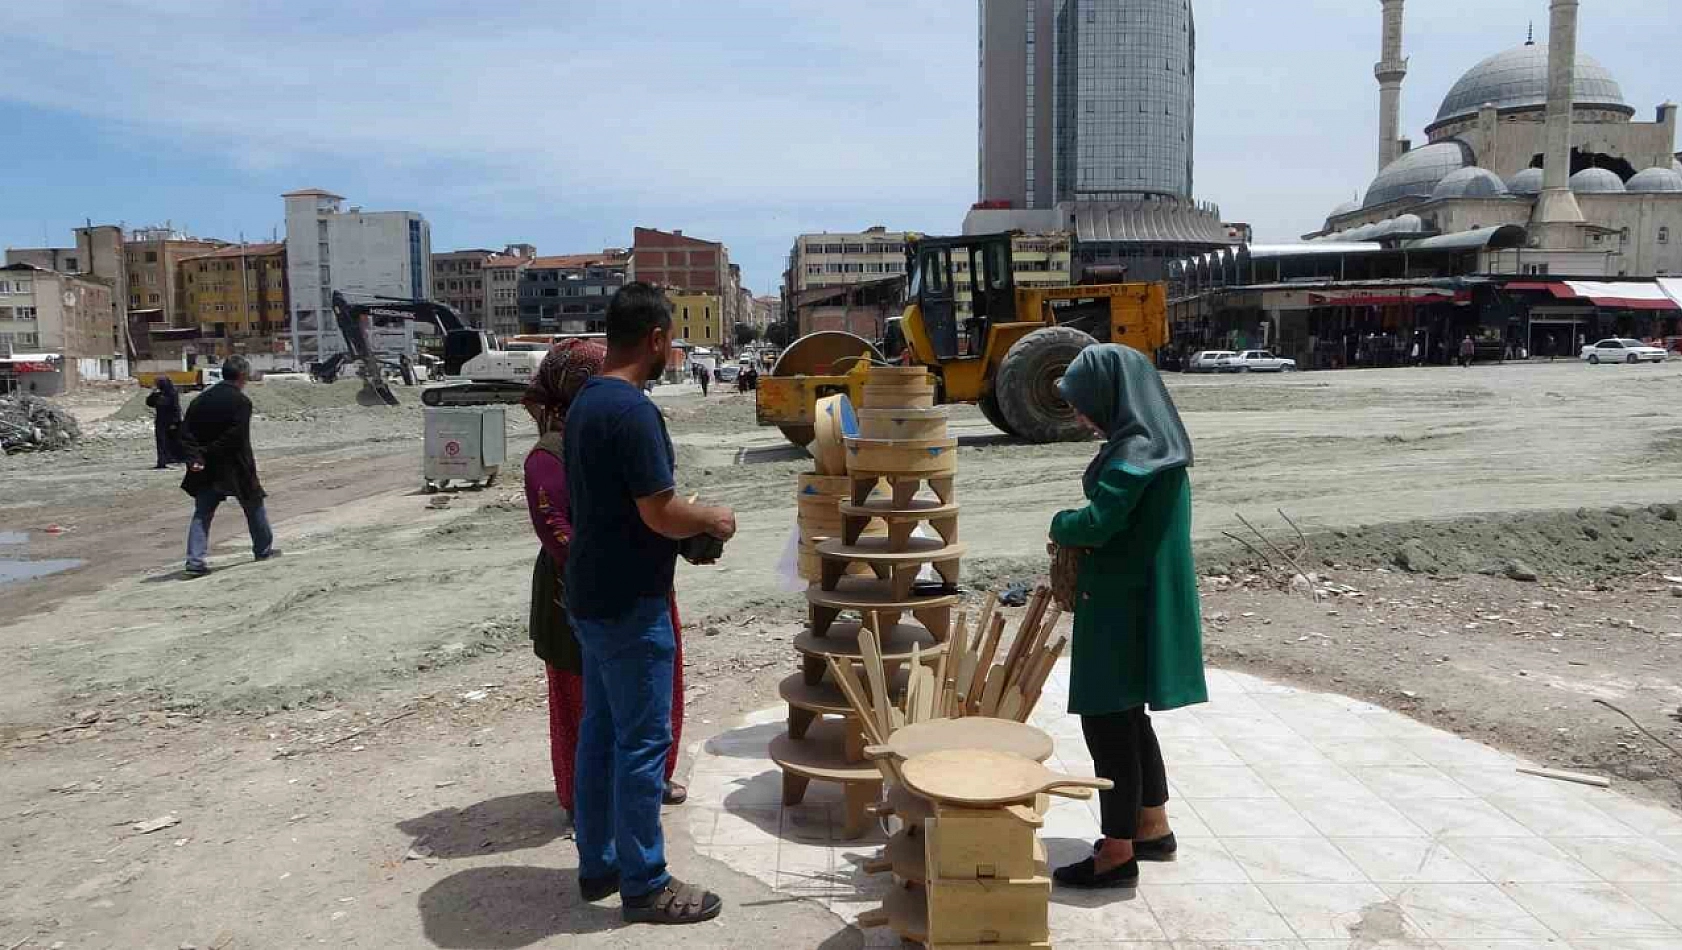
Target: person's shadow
{"points": [[509, 906]]}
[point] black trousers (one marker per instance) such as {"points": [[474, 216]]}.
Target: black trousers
{"points": [[1124, 750]]}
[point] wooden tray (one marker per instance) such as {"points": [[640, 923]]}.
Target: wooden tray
{"points": [[980, 778], [925, 457], [974, 732]]}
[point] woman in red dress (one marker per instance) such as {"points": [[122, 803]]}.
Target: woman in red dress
{"points": [[551, 393]]}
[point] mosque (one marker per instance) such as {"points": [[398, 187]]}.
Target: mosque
{"points": [[1538, 213]]}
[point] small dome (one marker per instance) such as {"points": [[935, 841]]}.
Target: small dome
{"points": [[1597, 181], [1655, 181], [1470, 183], [1353, 204], [1416, 174], [1526, 182], [1518, 79], [1676, 166]]}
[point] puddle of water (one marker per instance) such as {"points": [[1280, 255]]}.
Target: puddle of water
{"points": [[14, 570], [22, 569]]}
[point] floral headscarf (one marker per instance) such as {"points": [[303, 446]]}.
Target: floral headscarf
{"points": [[562, 375]]}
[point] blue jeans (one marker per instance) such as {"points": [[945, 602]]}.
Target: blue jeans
{"points": [[622, 745], [198, 533]]}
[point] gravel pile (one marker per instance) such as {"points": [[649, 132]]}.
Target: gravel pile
{"points": [[30, 424]]}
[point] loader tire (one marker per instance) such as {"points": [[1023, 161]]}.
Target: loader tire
{"points": [[1026, 386], [989, 406]]}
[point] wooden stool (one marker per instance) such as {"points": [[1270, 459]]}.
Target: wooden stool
{"points": [[902, 567], [822, 756], [898, 642], [876, 597], [901, 522]]}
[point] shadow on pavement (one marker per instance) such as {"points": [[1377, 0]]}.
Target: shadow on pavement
{"points": [[505, 908], [497, 826]]}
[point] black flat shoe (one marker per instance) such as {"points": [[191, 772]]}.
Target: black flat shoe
{"points": [[1085, 876], [598, 888], [1155, 849]]}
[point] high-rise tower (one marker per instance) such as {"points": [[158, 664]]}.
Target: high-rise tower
{"points": [[1015, 98], [1392, 68]]}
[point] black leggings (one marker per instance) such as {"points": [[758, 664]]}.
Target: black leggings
{"points": [[1124, 750]]}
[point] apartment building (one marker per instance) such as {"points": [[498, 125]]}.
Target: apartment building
{"points": [[236, 296], [843, 259], [63, 323], [502, 273], [698, 319], [358, 253], [1038, 260], [458, 282], [569, 293], [152, 257]]}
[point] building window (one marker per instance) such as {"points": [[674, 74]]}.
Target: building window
{"points": [[152, 299], [151, 257], [1664, 235], [25, 313], [70, 265]]}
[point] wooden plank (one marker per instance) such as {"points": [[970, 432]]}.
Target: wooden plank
{"points": [[1578, 778], [923, 711], [993, 692], [1027, 629], [1031, 656], [1032, 697], [914, 691], [984, 622], [984, 664], [1010, 707], [878, 679], [846, 677]]}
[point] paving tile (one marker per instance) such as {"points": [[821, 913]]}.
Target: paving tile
{"points": [[1465, 912], [1340, 911], [1180, 724], [1184, 819], [1562, 819], [1511, 783], [1070, 820], [1220, 781], [746, 827], [1450, 818], [1448, 751], [1367, 751], [1409, 943], [1397, 726], [1331, 724], [1408, 860], [1395, 782], [1527, 860], [1216, 912], [1251, 817], [1662, 899], [1356, 818], [1196, 750], [1581, 911], [1629, 943], [1314, 781], [1645, 819], [1237, 945], [1231, 726], [1293, 861], [1537, 943], [1627, 860], [1277, 750], [1199, 861], [1116, 916]]}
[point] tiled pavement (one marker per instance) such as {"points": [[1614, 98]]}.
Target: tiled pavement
{"points": [[1306, 821]]}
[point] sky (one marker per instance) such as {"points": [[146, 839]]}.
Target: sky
{"points": [[566, 123]]}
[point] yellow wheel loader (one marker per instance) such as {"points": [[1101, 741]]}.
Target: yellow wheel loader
{"points": [[1006, 357]]}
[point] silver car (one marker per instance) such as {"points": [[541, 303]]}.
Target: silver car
{"points": [[1207, 361], [1256, 361]]}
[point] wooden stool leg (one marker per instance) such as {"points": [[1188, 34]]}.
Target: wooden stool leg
{"points": [[947, 528], [794, 788], [942, 488], [888, 619], [938, 620], [833, 569], [813, 669], [882, 571], [799, 721], [905, 490], [899, 535], [859, 797], [854, 741], [822, 617], [903, 578], [851, 527], [862, 487], [948, 571]]}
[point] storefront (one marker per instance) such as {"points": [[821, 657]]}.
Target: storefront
{"points": [[39, 373]]}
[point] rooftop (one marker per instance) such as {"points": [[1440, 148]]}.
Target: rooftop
{"points": [[240, 250]]}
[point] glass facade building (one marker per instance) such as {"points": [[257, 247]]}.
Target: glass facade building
{"points": [[1124, 98]]}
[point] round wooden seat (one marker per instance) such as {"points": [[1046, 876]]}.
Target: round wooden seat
{"points": [[974, 732], [858, 593], [879, 551]]}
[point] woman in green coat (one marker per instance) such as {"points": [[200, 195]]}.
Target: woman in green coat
{"points": [[1138, 643]]}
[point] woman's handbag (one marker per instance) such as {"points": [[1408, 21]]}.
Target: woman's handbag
{"points": [[1065, 573]]}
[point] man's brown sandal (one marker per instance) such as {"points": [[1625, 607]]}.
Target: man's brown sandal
{"points": [[676, 903]]}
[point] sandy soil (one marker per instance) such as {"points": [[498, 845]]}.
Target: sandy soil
{"points": [[131, 694]]}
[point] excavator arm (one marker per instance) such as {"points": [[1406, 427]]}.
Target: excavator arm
{"points": [[461, 343]]}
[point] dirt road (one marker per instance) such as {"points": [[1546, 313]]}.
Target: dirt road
{"points": [[131, 695]]}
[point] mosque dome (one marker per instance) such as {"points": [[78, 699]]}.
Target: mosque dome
{"points": [[1518, 79], [1526, 182], [1470, 183], [1597, 181], [1415, 174], [1676, 166], [1352, 205], [1656, 181]]}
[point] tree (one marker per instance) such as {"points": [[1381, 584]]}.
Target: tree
{"points": [[746, 334], [778, 335]]}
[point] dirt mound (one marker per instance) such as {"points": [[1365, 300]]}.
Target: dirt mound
{"points": [[1582, 544], [275, 399]]}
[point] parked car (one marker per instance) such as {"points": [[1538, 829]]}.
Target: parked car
{"points": [[1622, 351], [1205, 361], [1256, 361], [726, 374]]}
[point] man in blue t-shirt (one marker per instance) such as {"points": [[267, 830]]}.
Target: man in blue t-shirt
{"points": [[627, 524]]}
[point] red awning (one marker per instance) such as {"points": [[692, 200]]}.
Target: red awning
{"points": [[1531, 285]]}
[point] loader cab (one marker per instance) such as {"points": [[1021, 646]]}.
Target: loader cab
{"points": [[940, 267]]}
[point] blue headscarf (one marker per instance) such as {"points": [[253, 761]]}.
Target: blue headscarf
{"points": [[1120, 391]]}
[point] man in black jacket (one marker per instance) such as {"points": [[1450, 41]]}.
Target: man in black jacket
{"points": [[220, 464]]}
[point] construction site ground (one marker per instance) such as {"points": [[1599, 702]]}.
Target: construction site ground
{"points": [[348, 746]]}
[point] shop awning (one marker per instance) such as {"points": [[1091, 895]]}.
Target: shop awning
{"points": [[1536, 285], [1624, 295], [1672, 286]]}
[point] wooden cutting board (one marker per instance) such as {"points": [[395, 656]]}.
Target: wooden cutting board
{"points": [[980, 778]]}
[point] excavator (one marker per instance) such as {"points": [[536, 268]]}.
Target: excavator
{"points": [[1006, 357], [476, 372]]}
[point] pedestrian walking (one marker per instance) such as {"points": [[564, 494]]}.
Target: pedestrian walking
{"points": [[1468, 349], [220, 465], [1550, 346], [165, 401], [702, 377], [551, 393], [627, 524], [1138, 642]]}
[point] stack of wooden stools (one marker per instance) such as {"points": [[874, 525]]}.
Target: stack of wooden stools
{"points": [[867, 562]]}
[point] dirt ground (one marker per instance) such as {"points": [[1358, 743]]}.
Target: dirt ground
{"points": [[353, 739]]}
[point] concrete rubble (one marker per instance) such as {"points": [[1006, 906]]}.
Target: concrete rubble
{"points": [[29, 423]]}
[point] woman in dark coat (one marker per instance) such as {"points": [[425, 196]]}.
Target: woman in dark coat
{"points": [[1138, 641], [550, 395], [166, 421]]}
